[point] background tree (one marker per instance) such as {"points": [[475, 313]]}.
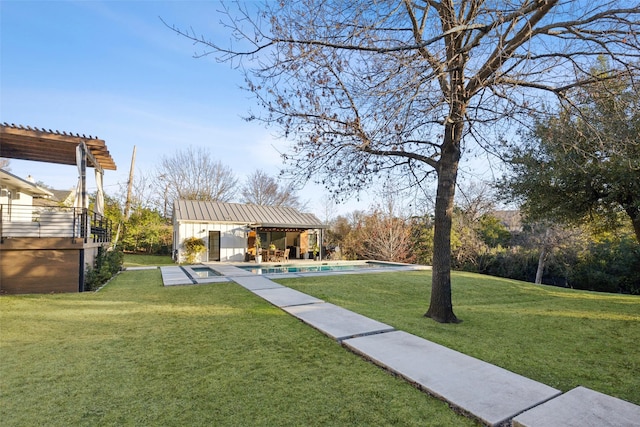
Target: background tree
{"points": [[327, 210], [146, 231], [550, 240], [386, 238], [193, 174], [262, 189], [473, 201], [395, 87], [5, 164], [385, 233], [422, 239], [336, 235], [349, 230], [583, 163], [466, 243], [144, 192], [493, 232]]}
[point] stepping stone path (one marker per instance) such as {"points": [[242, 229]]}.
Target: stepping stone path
{"points": [[581, 407], [492, 395], [336, 322], [489, 393]]}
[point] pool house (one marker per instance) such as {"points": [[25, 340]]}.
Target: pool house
{"points": [[231, 230]]}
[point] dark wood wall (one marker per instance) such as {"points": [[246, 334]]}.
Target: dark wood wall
{"points": [[32, 265]]}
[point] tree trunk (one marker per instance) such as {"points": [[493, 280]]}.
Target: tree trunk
{"points": [[541, 260], [441, 307], [634, 214], [636, 228]]}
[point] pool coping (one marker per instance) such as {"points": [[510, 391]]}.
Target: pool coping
{"points": [[177, 275], [242, 268]]}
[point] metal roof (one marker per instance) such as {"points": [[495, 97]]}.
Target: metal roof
{"points": [[254, 215], [26, 143]]}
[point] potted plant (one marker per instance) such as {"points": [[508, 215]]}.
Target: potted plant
{"points": [[258, 250], [316, 250]]}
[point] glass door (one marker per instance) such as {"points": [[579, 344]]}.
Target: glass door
{"points": [[214, 246]]}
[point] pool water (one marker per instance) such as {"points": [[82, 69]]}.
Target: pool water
{"points": [[204, 272], [315, 268]]}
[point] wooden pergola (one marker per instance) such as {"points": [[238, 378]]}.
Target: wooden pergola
{"points": [[26, 143], [36, 263]]}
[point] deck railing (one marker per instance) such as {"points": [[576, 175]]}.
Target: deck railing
{"points": [[53, 221]]}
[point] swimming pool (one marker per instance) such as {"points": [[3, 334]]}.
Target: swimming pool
{"points": [[200, 272], [282, 269]]}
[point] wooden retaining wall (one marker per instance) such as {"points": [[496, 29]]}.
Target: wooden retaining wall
{"points": [[41, 265]]}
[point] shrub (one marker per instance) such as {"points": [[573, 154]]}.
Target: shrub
{"points": [[106, 265], [193, 247], [609, 266], [519, 264]]}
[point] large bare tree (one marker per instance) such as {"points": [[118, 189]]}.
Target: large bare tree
{"points": [[262, 189], [404, 87], [193, 174]]}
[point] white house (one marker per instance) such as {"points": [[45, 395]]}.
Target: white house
{"points": [[14, 188], [229, 230], [16, 204]]}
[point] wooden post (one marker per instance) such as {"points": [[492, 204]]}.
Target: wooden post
{"points": [[127, 205]]}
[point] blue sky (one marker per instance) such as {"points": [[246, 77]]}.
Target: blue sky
{"points": [[112, 69]]}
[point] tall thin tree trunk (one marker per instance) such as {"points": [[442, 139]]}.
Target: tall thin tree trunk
{"points": [[441, 306], [541, 260]]}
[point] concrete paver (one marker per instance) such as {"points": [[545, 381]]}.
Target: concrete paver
{"points": [[207, 280], [254, 283], [581, 407], [172, 276], [337, 322], [284, 297], [489, 393], [282, 275], [228, 270]]}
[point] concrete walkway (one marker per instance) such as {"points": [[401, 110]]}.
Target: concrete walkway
{"points": [[490, 394]]}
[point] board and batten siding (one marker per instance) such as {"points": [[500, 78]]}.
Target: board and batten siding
{"points": [[233, 239]]}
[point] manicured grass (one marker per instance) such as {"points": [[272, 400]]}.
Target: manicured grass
{"points": [[138, 260], [560, 337], [136, 353]]}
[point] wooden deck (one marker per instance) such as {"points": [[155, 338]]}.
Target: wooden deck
{"points": [[45, 250], [40, 265]]}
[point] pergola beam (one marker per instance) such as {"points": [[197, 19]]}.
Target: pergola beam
{"points": [[17, 142]]}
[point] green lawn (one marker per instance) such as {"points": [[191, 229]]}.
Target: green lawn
{"points": [[560, 337], [138, 260], [137, 353]]}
